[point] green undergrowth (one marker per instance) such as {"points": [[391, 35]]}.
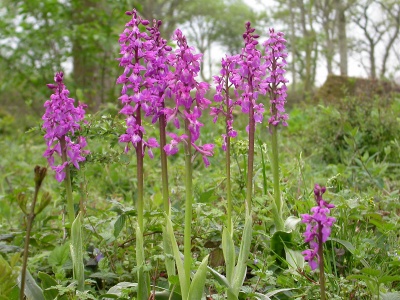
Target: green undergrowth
{"points": [[353, 151]]}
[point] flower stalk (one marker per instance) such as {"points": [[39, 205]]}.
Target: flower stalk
{"points": [[188, 108], [228, 118], [187, 251], [67, 182], [61, 121], [275, 57]]}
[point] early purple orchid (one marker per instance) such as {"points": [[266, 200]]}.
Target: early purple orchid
{"points": [[188, 108], [318, 227], [143, 83], [275, 83], [226, 105], [61, 122]]}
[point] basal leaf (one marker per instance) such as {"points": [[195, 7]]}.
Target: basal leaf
{"points": [[197, 286]]}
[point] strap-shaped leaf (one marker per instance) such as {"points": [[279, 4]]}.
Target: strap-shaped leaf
{"points": [[228, 248], [143, 291], [76, 249], [178, 261], [32, 290], [169, 262], [199, 280], [241, 267], [221, 279]]}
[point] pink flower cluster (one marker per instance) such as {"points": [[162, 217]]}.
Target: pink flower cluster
{"points": [[226, 104], [275, 57], [318, 227], [61, 121], [143, 80], [252, 74], [181, 83], [148, 80], [249, 78]]}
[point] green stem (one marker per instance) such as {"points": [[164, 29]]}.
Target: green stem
{"points": [[250, 159], [188, 205], [164, 166], [68, 183], [321, 263], [275, 176]]}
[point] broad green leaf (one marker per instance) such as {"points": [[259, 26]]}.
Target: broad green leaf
{"points": [[221, 279], [390, 296], [47, 282], [196, 289], [76, 248], [59, 256], [241, 267], [32, 290], [388, 278], [119, 224], [178, 261], [279, 241], [116, 291], [228, 249], [294, 259], [371, 272], [291, 223]]}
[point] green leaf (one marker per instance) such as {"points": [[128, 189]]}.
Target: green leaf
{"points": [[361, 277], [143, 283], [390, 296], [196, 289], [178, 260], [241, 267], [279, 241], [273, 293], [119, 224], [261, 296], [228, 249], [59, 256], [221, 279], [76, 248], [371, 272], [32, 290], [169, 262], [291, 223], [388, 278], [294, 259], [116, 291], [47, 283], [350, 248]]}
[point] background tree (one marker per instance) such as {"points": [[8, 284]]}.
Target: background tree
{"points": [[213, 25]]}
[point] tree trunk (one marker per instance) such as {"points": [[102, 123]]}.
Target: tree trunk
{"points": [[86, 68], [342, 37], [292, 39]]}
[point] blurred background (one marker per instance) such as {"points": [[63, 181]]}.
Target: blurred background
{"points": [[326, 39]]}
